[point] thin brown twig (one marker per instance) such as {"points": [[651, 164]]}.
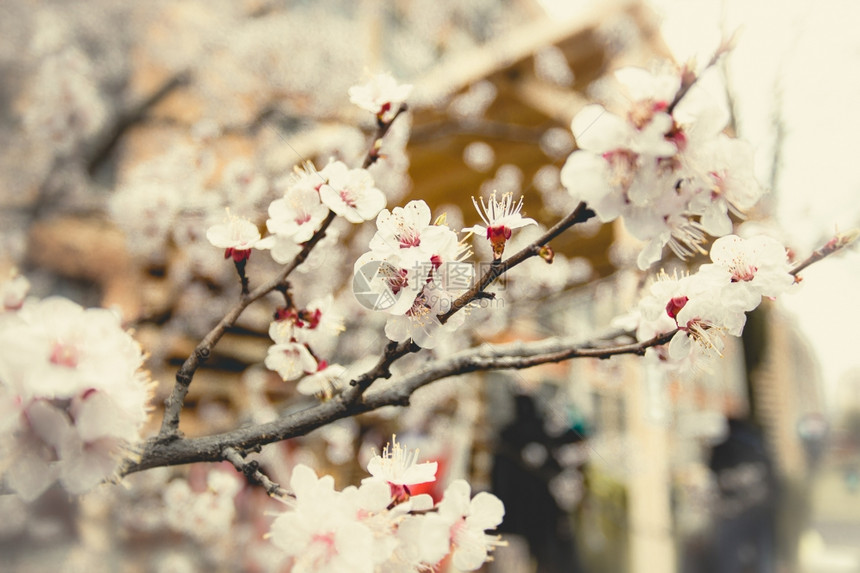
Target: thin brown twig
{"points": [[689, 77], [251, 471], [579, 215], [835, 244], [382, 128]]}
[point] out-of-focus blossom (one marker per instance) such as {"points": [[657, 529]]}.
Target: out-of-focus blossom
{"points": [[74, 394], [382, 95], [13, 290], [469, 519]]}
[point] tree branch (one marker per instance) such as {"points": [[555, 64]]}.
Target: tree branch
{"points": [[102, 147], [509, 356], [173, 404]]}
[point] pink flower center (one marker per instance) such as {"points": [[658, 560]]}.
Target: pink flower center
{"points": [[458, 526], [410, 239], [64, 355], [347, 198], [303, 218], [398, 281], [622, 164], [746, 274], [326, 540]]}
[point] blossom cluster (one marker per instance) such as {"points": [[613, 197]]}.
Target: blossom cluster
{"points": [[206, 515], [382, 95], [295, 332], [664, 165], [308, 196], [379, 526], [413, 272], [713, 300], [73, 396]]}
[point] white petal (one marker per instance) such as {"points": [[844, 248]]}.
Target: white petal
{"points": [[598, 130]]}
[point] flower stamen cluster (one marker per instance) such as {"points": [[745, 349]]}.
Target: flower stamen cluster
{"points": [[500, 217]]}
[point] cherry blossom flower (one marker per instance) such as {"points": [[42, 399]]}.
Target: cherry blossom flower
{"points": [[399, 467], [712, 302], [407, 232], [500, 218], [351, 193], [299, 212], [328, 379], [382, 95], [668, 171], [318, 323], [291, 360], [414, 272], [468, 520], [74, 393], [602, 132], [394, 281], [724, 183], [14, 290], [421, 323], [237, 236], [322, 532], [685, 303], [748, 269]]}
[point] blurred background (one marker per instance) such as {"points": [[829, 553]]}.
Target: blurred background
{"points": [[127, 128]]}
